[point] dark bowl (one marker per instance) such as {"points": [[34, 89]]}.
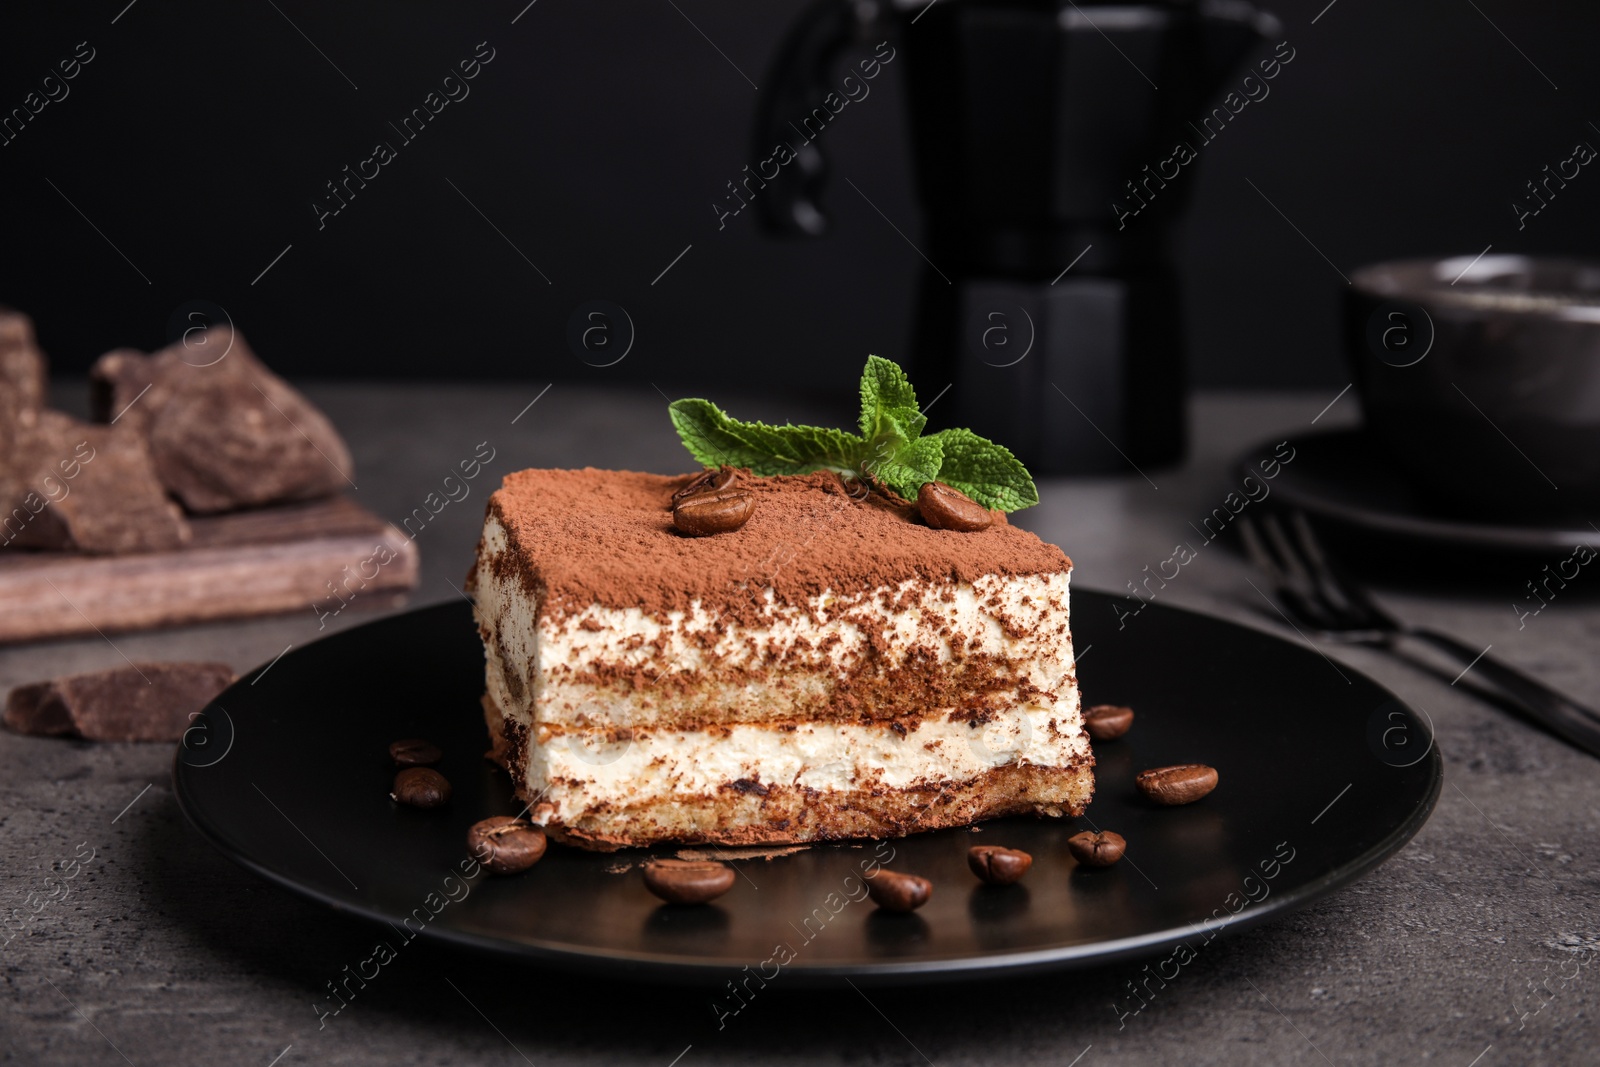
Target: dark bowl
{"points": [[1480, 379]]}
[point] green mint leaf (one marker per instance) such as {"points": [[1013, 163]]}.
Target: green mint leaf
{"points": [[888, 403], [708, 433], [911, 467], [890, 449], [714, 438], [795, 449], [985, 471]]}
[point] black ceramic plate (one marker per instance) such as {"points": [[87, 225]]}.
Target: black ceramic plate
{"points": [[1339, 476], [1323, 775]]}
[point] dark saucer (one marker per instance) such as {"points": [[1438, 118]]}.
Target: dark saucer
{"points": [[1342, 478]]}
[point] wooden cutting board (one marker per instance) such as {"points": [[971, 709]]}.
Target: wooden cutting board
{"points": [[317, 558]]}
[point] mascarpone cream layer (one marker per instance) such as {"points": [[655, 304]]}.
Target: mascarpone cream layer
{"points": [[623, 667], [578, 772]]}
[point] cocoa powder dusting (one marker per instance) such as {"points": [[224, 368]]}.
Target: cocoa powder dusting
{"points": [[581, 537]]}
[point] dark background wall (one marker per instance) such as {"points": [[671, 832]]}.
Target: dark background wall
{"points": [[188, 153]]}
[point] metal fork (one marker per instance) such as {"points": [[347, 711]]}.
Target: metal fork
{"points": [[1311, 591]]}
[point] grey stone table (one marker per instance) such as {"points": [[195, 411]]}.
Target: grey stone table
{"points": [[1472, 946]]}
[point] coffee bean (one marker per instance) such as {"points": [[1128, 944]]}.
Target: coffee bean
{"points": [[996, 865], [1097, 849], [706, 480], [420, 787], [1107, 722], [893, 891], [505, 844], [688, 881], [945, 508], [1181, 784], [714, 511], [415, 752]]}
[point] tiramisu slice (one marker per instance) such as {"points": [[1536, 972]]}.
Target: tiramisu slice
{"points": [[835, 667]]}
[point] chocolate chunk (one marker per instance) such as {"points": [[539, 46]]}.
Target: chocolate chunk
{"points": [[23, 367], [69, 485], [23, 376], [118, 384], [65, 484], [140, 702], [224, 431]]}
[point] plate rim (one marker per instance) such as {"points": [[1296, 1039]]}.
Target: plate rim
{"points": [[653, 967]]}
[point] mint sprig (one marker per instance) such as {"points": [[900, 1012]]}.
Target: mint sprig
{"points": [[889, 451]]}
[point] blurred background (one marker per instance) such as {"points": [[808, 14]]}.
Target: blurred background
{"points": [[185, 161]]}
